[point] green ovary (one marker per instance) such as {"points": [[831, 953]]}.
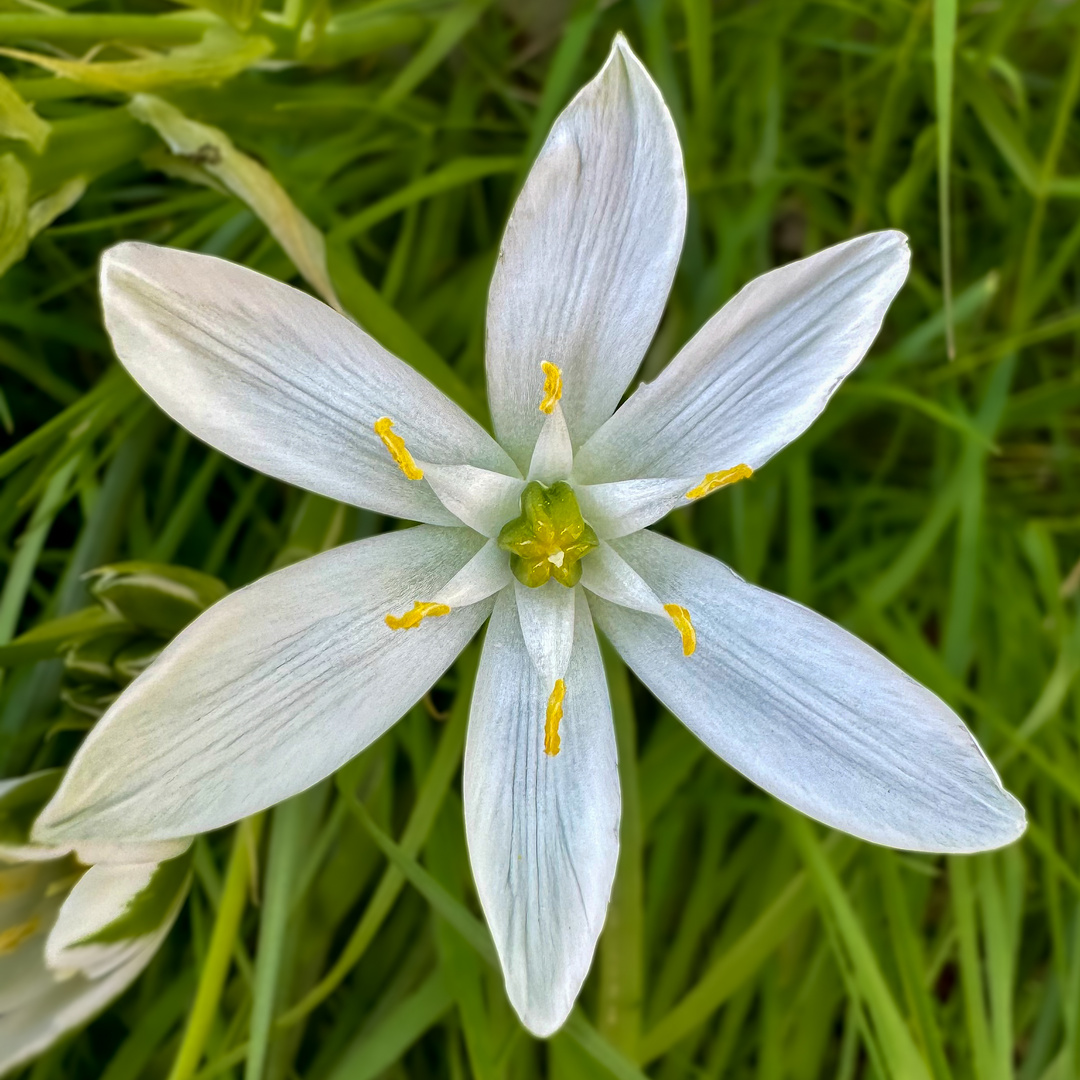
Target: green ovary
{"points": [[550, 538]]}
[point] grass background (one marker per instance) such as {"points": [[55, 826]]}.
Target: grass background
{"points": [[933, 510]]}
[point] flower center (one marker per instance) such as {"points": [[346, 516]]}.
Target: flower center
{"points": [[550, 538]]}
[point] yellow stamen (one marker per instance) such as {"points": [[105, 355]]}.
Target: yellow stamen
{"points": [[552, 388], [681, 618], [396, 445], [552, 742], [720, 479], [14, 936], [420, 611]]}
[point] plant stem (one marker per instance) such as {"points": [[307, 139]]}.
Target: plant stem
{"points": [[218, 956]]}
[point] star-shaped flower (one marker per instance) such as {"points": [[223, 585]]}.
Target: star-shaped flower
{"points": [[542, 529]]}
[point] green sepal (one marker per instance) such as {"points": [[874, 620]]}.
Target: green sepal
{"points": [[153, 596]]}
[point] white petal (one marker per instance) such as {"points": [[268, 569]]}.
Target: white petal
{"points": [[268, 692], [105, 896], [543, 830], [44, 1018], [759, 372], [611, 577], [547, 625], [24, 978], [553, 455], [809, 712], [28, 907], [89, 852], [588, 256], [482, 499], [279, 381], [625, 506], [482, 576]]}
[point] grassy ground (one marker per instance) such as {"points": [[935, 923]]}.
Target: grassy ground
{"points": [[934, 509]]}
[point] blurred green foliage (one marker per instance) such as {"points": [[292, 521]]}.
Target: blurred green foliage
{"points": [[373, 149]]}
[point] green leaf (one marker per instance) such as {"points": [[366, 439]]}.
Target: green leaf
{"points": [[221, 54], [51, 638], [14, 207], [374, 1051], [18, 119], [211, 149], [901, 1054]]}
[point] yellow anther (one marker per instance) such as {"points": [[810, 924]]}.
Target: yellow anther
{"points": [[720, 479], [396, 445], [552, 742], [14, 936], [552, 387], [681, 618], [420, 611]]}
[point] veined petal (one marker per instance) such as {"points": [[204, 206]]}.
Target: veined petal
{"points": [[625, 506], [113, 912], [588, 256], [269, 691], [809, 712], [611, 577], [482, 499], [547, 620], [482, 576], [759, 372], [279, 381], [543, 830], [23, 798], [553, 455]]}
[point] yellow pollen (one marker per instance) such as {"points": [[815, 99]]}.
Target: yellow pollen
{"points": [[552, 742], [14, 936], [681, 618], [420, 611], [552, 389], [396, 445], [720, 479]]}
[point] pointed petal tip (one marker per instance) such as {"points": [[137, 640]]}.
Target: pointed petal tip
{"points": [[893, 241], [900, 239], [1011, 825], [542, 1021], [619, 44]]}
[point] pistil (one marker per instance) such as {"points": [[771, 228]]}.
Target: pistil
{"points": [[550, 537]]}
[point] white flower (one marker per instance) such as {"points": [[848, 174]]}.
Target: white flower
{"points": [[284, 681], [71, 938]]}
